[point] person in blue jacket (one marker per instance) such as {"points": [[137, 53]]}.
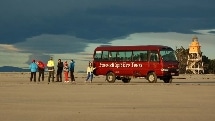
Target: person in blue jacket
{"points": [[33, 67], [71, 69]]}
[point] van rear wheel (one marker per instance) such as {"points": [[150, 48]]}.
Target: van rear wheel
{"points": [[126, 80], [110, 77], [152, 77]]}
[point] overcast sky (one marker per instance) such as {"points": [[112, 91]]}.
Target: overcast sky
{"points": [[37, 29]]}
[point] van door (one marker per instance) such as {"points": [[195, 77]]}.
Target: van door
{"points": [[154, 62]]}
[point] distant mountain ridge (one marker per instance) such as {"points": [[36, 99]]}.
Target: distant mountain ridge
{"points": [[12, 69], [17, 69]]}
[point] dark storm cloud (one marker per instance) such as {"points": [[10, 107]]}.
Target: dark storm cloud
{"points": [[99, 20], [52, 44]]}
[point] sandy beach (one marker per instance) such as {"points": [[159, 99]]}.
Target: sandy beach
{"points": [[188, 98]]}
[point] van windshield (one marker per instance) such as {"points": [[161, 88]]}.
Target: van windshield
{"points": [[168, 55]]}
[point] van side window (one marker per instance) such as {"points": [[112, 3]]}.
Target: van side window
{"points": [[112, 56], [143, 56], [97, 55], [105, 56], [128, 56], [120, 56], [140, 56], [154, 56]]}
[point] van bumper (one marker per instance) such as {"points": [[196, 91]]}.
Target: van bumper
{"points": [[170, 72]]}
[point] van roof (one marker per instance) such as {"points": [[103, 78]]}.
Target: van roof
{"points": [[135, 47]]}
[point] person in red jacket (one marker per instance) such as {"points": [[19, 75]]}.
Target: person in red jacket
{"points": [[66, 71], [41, 70]]}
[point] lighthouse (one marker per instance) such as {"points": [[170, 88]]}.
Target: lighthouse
{"points": [[194, 62]]}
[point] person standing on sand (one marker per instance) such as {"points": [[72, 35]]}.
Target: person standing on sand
{"points": [[41, 70], [50, 66], [59, 70], [71, 69], [66, 71], [33, 67], [90, 72]]}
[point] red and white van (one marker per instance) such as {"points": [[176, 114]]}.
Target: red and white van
{"points": [[125, 62]]}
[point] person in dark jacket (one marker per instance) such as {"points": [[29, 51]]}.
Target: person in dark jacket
{"points": [[71, 69], [59, 70]]}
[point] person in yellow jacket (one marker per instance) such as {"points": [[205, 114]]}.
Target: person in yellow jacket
{"points": [[50, 66], [90, 69]]}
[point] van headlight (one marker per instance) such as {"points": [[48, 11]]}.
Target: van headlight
{"points": [[164, 69]]}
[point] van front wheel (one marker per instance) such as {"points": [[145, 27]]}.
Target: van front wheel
{"points": [[110, 77], [152, 77]]}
